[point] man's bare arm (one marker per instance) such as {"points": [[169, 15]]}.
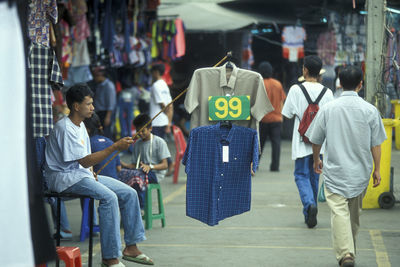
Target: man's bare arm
{"points": [[317, 161], [376, 155], [97, 157]]}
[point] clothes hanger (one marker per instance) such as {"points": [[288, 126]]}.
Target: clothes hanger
{"points": [[226, 124], [229, 58], [298, 23]]}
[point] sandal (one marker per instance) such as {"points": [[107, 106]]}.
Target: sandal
{"points": [[119, 264], [142, 259]]}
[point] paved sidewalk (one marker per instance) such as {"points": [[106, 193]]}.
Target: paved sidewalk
{"points": [[272, 234]]}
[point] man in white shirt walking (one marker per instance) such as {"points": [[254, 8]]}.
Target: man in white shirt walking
{"points": [[353, 132], [295, 105], [160, 96]]}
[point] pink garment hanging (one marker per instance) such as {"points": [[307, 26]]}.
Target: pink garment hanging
{"points": [[180, 38]]}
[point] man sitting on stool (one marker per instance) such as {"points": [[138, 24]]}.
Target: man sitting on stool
{"points": [[69, 169]]}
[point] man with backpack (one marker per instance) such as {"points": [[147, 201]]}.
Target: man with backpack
{"points": [[302, 103]]}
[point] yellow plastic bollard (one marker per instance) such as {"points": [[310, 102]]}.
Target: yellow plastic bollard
{"points": [[396, 104], [371, 199]]}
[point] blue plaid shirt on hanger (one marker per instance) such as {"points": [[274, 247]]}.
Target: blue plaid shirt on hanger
{"points": [[216, 189]]}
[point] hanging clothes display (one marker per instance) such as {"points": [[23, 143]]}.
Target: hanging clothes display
{"points": [[40, 14], [293, 42], [326, 47], [45, 75], [218, 166], [218, 82]]}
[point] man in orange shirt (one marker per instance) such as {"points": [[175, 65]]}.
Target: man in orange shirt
{"points": [[271, 124]]}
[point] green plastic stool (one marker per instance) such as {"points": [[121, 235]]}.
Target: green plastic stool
{"points": [[148, 210]]}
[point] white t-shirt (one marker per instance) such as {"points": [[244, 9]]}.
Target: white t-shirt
{"points": [[159, 93], [295, 105], [67, 144]]}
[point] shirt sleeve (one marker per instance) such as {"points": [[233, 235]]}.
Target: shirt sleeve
{"points": [[316, 132], [378, 134], [289, 108], [162, 150], [192, 95], [262, 105], [186, 156], [256, 152], [72, 145]]}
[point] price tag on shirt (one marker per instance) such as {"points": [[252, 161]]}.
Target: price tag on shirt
{"points": [[225, 153], [229, 108]]}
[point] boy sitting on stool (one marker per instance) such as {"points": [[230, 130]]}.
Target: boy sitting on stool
{"points": [[149, 154]]}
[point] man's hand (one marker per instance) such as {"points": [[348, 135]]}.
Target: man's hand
{"points": [[94, 174], [376, 176], [146, 168], [123, 143], [318, 166]]}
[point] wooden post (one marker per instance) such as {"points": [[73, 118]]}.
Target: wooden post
{"points": [[375, 58]]}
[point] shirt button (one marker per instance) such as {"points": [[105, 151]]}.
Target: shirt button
{"points": [[235, 158], [220, 187], [222, 174]]}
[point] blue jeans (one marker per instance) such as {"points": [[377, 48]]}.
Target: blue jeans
{"points": [[125, 117], [114, 197], [307, 182]]}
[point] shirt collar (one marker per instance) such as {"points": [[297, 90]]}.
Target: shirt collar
{"points": [[349, 93], [225, 139], [232, 79]]}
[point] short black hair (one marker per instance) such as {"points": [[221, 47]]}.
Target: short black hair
{"points": [[93, 125], [77, 93], [265, 69], [350, 77], [158, 67], [313, 64], [141, 120]]}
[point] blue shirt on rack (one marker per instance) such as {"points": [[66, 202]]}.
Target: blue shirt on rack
{"points": [[215, 189]]}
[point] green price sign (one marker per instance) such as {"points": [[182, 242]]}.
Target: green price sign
{"points": [[229, 108]]}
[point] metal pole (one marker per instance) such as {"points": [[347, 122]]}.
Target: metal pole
{"points": [[374, 91]]}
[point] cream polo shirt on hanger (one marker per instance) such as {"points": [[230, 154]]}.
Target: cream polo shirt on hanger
{"points": [[216, 82]]}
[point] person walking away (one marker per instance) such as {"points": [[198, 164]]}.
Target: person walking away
{"points": [[353, 132], [160, 97], [295, 105], [271, 124], [105, 99]]}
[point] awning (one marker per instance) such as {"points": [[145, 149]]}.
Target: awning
{"points": [[207, 17]]}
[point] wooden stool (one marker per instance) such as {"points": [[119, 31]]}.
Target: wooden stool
{"points": [[148, 210], [70, 255]]}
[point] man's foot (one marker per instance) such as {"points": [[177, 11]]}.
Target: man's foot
{"points": [[112, 263], [312, 216], [132, 253], [347, 261]]}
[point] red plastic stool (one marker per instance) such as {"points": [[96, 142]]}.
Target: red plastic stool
{"points": [[70, 255]]}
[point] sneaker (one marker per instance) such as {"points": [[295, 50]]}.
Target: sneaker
{"points": [[312, 216]]}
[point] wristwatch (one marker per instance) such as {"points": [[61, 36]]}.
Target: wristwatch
{"points": [[151, 166]]}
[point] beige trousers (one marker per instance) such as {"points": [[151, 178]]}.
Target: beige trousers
{"points": [[345, 214]]}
